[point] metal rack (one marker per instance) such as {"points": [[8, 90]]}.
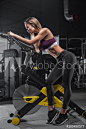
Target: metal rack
{"points": [[80, 80], [83, 49]]}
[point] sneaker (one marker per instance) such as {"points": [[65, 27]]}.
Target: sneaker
{"points": [[61, 119], [52, 116]]}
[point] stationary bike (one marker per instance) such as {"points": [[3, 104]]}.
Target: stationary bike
{"points": [[28, 98]]}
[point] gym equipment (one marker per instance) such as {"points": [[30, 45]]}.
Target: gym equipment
{"points": [[10, 75], [2, 89], [2, 81], [1, 69], [28, 98]]}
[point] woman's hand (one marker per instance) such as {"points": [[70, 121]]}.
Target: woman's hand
{"points": [[11, 34]]}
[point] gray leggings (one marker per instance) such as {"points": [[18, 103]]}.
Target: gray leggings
{"points": [[64, 67]]}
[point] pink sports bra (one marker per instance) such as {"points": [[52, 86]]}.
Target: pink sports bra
{"points": [[46, 44]]}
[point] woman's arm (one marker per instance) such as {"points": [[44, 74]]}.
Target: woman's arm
{"points": [[40, 36], [36, 47]]}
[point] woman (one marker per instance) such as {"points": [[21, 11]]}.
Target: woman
{"points": [[43, 39]]}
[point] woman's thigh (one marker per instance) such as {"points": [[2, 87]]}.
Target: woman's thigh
{"points": [[55, 74], [68, 68]]}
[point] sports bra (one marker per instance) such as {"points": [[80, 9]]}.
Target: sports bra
{"points": [[44, 45]]}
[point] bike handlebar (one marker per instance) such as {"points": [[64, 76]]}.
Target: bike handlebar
{"points": [[22, 45]]}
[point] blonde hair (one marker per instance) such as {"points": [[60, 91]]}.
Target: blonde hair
{"points": [[36, 24]]}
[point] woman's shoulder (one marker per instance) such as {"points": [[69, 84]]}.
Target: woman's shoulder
{"points": [[45, 30]]}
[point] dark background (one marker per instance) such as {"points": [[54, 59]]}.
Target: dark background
{"points": [[50, 13]]}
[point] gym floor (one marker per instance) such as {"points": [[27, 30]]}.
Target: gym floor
{"points": [[38, 119]]}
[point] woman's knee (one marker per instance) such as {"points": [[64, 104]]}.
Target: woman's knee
{"points": [[48, 83], [49, 87]]}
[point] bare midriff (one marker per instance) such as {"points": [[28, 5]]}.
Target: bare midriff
{"points": [[55, 50]]}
